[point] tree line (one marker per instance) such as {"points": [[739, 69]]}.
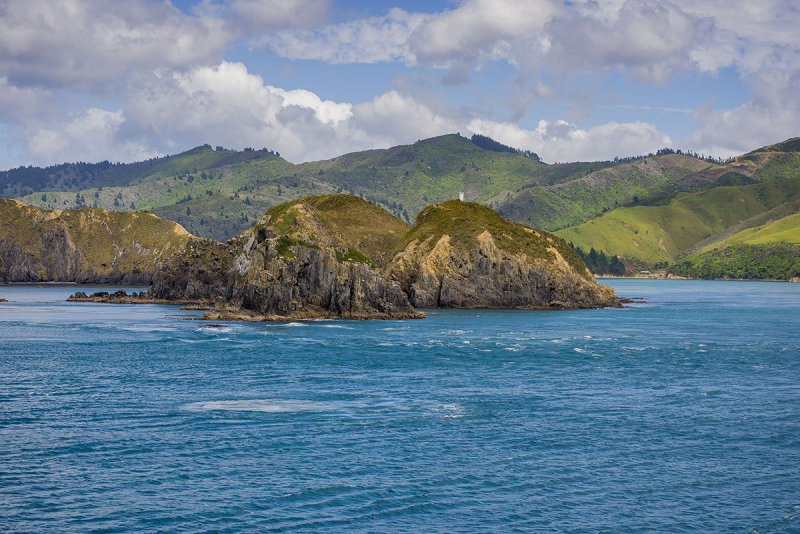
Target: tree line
{"points": [[599, 262]]}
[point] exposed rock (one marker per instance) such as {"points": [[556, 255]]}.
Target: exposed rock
{"points": [[318, 257], [89, 245], [293, 264], [3, 300], [464, 255]]}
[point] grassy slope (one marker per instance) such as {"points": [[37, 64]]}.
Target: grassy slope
{"points": [[465, 221], [580, 198], [784, 230], [767, 251], [106, 240], [347, 221], [654, 234]]}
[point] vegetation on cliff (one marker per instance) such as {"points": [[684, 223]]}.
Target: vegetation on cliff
{"points": [[464, 255], [299, 261], [86, 245]]}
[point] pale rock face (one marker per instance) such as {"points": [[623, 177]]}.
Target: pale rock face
{"points": [[485, 276]]}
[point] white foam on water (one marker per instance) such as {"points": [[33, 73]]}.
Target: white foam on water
{"points": [[215, 329], [293, 323], [340, 326], [366, 406], [267, 406], [145, 328]]}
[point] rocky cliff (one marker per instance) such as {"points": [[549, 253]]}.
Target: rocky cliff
{"points": [[300, 261], [89, 245], [464, 255]]}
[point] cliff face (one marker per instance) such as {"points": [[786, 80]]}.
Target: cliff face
{"points": [[86, 246], [464, 255], [294, 264]]}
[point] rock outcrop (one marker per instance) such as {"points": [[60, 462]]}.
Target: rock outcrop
{"points": [[339, 256], [298, 262], [464, 255], [88, 245]]}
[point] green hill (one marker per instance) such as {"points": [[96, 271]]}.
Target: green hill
{"points": [[358, 228], [578, 198], [660, 234], [74, 177], [463, 254], [767, 251], [218, 193]]}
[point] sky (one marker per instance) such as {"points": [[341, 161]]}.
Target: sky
{"points": [[577, 80]]}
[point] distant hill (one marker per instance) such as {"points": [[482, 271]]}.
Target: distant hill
{"points": [[770, 250], [649, 210], [217, 193], [661, 234], [74, 177]]}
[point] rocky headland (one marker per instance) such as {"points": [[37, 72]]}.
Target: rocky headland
{"points": [[464, 255], [315, 257], [324, 256], [88, 245]]}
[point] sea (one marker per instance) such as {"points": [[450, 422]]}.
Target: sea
{"points": [[679, 413]]}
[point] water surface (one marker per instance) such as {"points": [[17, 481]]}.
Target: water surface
{"points": [[678, 415]]}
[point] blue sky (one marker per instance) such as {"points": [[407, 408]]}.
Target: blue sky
{"points": [[89, 80]]}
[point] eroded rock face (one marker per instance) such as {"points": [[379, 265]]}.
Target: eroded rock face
{"points": [[527, 269], [85, 246], [286, 276]]}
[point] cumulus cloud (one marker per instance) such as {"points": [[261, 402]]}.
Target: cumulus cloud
{"points": [[772, 115], [482, 27], [85, 42], [560, 141], [273, 14], [367, 40], [91, 135]]}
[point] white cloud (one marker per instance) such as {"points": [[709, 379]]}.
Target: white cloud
{"points": [[275, 14], [368, 40], [771, 116], [19, 103], [560, 141], [227, 105], [481, 27], [91, 135], [85, 42]]}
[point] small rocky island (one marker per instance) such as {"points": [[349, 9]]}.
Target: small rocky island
{"points": [[339, 256]]}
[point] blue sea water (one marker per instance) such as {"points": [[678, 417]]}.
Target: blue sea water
{"points": [[681, 414]]}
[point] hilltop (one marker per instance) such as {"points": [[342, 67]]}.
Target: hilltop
{"points": [[340, 221]]}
